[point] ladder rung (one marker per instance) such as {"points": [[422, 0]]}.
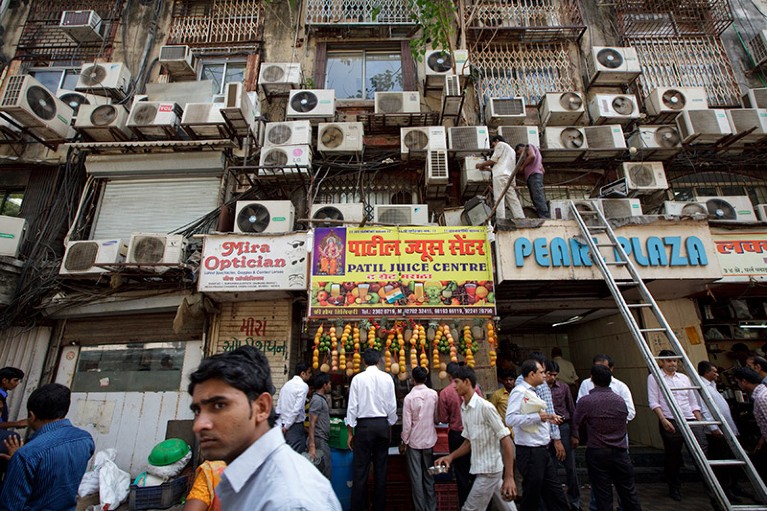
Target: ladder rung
{"points": [[605, 244], [691, 387], [703, 423], [615, 263], [746, 507], [638, 305], [596, 227], [669, 357], [626, 283], [725, 463], [587, 212], [655, 330]]}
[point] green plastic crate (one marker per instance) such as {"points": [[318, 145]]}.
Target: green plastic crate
{"points": [[339, 435]]}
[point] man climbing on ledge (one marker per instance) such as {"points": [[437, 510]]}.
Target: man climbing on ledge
{"points": [[532, 165], [503, 163]]}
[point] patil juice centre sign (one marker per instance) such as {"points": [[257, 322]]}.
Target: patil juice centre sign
{"points": [[401, 271]]}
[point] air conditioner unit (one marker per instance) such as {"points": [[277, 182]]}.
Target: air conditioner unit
{"points": [[605, 141], [204, 121], [331, 215], [761, 212], [452, 86], [736, 208], [34, 107], [560, 209], [563, 143], [685, 209], [74, 99], [103, 123], [644, 177], [473, 181], [105, 79], [655, 142], [508, 111], [468, 139], [703, 126], [620, 208], [155, 119], [279, 77], [758, 47], [613, 108], [340, 138], [437, 63], [311, 104], [397, 102], [178, 61], [745, 119], [414, 142], [672, 100], [155, 249], [11, 235], [82, 26], [452, 97], [612, 65], [253, 217], [401, 214], [514, 135], [436, 168], [240, 109], [756, 98], [285, 160], [288, 133], [562, 108], [86, 257]]}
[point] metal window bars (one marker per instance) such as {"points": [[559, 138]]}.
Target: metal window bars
{"points": [[359, 12], [524, 20], [664, 18], [216, 22]]}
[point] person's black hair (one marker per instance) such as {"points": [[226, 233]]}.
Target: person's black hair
{"points": [[50, 402], [747, 374], [452, 367], [497, 138], [538, 356], [466, 373], [519, 146], [9, 373], [319, 380], [556, 351], [761, 362], [246, 369], [301, 367], [601, 375], [419, 374], [739, 346], [528, 366], [602, 357], [704, 366], [371, 356], [666, 353], [552, 367], [504, 373]]}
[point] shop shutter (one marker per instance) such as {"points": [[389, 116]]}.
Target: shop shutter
{"points": [[129, 328]]}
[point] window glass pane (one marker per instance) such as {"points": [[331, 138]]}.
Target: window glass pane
{"points": [[235, 72], [213, 72], [50, 79], [136, 367], [383, 73], [733, 190], [70, 79], [11, 203], [706, 191], [344, 74]]}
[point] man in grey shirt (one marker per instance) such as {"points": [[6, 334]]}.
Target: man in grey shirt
{"points": [[234, 421], [319, 424]]}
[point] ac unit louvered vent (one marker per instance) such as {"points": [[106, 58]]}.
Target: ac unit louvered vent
{"points": [[148, 250], [80, 257]]}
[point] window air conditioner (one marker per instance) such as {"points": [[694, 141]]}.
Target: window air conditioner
{"points": [[30, 104], [82, 26], [613, 108], [745, 119], [253, 217], [330, 215], [756, 98], [612, 65], [311, 104], [452, 86], [178, 61], [157, 120], [397, 102], [103, 123], [644, 177], [685, 209], [105, 79], [560, 209], [401, 214], [514, 135], [729, 208], [436, 168], [279, 77], [452, 96], [672, 100], [761, 212], [758, 47], [414, 142], [605, 141], [468, 139], [204, 121], [473, 181], [74, 99], [562, 108], [340, 138], [655, 142], [288, 133], [240, 109], [505, 111], [620, 208], [154, 249], [703, 126], [11, 235], [85, 257], [285, 160], [563, 144]]}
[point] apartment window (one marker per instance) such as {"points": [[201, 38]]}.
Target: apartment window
{"points": [[56, 78], [10, 202], [222, 72], [362, 73]]}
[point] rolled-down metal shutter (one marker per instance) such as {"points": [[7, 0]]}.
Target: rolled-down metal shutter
{"points": [[154, 205]]}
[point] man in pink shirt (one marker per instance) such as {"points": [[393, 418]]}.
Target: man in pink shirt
{"points": [[419, 413], [532, 165]]}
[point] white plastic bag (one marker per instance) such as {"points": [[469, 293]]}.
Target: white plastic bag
{"points": [[114, 485], [90, 481], [172, 470]]}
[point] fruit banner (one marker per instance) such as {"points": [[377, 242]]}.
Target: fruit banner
{"points": [[401, 271]]}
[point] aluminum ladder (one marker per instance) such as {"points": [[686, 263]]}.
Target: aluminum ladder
{"points": [[595, 224]]}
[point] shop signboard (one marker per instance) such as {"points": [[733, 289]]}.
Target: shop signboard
{"points": [[427, 271], [742, 254], [248, 262]]}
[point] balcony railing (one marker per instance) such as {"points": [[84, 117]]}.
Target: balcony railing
{"points": [[669, 18], [526, 20], [359, 12]]}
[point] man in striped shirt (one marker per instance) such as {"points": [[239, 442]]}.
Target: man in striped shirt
{"points": [[488, 441]]}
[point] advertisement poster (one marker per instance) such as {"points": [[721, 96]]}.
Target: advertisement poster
{"points": [[743, 255], [401, 271]]}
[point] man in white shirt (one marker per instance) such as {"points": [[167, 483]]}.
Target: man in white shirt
{"points": [[687, 401], [503, 162], [291, 407], [370, 414], [527, 416], [488, 441], [616, 385]]}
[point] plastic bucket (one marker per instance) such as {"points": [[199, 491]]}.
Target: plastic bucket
{"points": [[342, 476]]}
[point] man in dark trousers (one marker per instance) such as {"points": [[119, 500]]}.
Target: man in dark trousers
{"points": [[371, 413], [604, 414]]}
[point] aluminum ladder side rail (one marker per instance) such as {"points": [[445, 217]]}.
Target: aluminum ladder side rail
{"points": [[637, 333]]}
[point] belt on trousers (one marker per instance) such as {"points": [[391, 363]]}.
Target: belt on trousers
{"points": [[370, 419]]}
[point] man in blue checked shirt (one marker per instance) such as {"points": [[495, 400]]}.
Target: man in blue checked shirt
{"points": [[46, 472]]}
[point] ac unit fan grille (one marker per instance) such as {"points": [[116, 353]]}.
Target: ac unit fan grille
{"points": [[144, 114], [173, 53], [332, 136], [390, 103], [104, 115], [276, 157], [570, 101], [41, 102], [464, 138], [328, 213], [253, 218], [397, 216], [76, 18], [74, 100], [93, 75], [148, 250], [508, 106], [273, 74], [642, 175], [610, 58], [279, 134], [416, 140], [440, 62], [80, 257], [616, 209], [572, 138]]}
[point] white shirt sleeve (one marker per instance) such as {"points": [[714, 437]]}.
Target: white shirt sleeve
{"points": [[391, 401], [583, 390], [625, 393], [351, 409], [514, 417]]}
